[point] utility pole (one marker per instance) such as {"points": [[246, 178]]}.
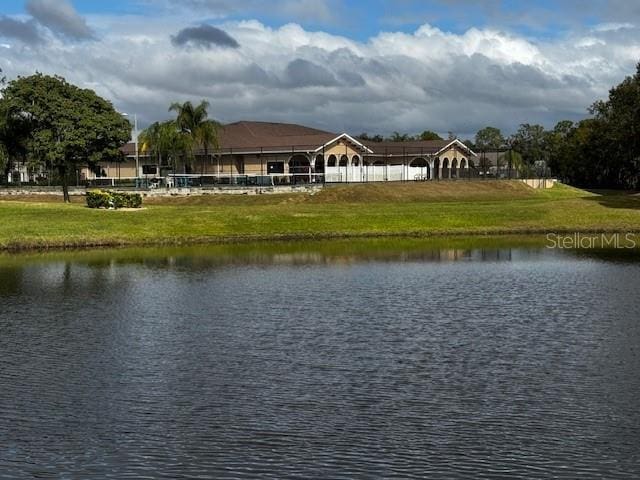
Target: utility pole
{"points": [[135, 132], [135, 139]]}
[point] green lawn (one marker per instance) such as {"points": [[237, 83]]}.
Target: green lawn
{"points": [[446, 208]]}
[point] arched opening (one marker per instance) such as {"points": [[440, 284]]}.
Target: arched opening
{"points": [[344, 161], [436, 168], [355, 160], [446, 170], [331, 161], [419, 163], [421, 170], [454, 168], [463, 163], [300, 168], [319, 164]]}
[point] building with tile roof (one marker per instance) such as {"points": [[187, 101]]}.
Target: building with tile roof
{"points": [[288, 153]]}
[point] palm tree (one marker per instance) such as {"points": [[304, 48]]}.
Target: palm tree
{"points": [[514, 161], [400, 137], [149, 140], [208, 138], [164, 141], [193, 122]]}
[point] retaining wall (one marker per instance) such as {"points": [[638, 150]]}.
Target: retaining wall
{"points": [[540, 183], [168, 192]]}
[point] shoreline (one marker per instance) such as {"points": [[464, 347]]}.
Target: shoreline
{"points": [[283, 238]]}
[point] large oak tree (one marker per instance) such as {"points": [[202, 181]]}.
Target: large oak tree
{"points": [[619, 120], [69, 127]]}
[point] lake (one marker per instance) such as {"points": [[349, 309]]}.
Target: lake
{"points": [[348, 359]]}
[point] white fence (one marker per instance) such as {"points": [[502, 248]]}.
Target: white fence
{"points": [[376, 173]]}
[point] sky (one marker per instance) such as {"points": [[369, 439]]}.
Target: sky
{"points": [[374, 66]]}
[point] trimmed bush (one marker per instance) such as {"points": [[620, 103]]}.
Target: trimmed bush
{"points": [[98, 199], [126, 200], [102, 199]]}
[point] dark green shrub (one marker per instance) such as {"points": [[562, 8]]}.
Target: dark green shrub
{"points": [[126, 200], [134, 200], [98, 199], [118, 200], [102, 199]]}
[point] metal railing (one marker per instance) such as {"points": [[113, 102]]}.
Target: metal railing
{"points": [[408, 165], [244, 180]]}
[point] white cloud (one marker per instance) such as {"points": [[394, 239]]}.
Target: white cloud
{"points": [[613, 27], [588, 42], [60, 17], [395, 81]]}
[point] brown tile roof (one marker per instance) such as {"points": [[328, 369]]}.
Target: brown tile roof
{"points": [[245, 137], [252, 136], [410, 148]]}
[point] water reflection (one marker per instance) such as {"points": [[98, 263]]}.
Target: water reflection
{"points": [[294, 253], [491, 249]]}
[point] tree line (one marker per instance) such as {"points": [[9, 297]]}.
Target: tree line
{"points": [[602, 151], [427, 135]]}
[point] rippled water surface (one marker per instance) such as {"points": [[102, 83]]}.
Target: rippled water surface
{"points": [[463, 363]]}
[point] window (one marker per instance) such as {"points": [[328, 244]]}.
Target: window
{"points": [[149, 170], [275, 167]]}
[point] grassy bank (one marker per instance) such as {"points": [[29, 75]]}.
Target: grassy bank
{"points": [[412, 209]]}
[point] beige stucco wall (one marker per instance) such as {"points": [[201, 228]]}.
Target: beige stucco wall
{"points": [[125, 169], [341, 148], [455, 152], [257, 164], [253, 164], [224, 165]]}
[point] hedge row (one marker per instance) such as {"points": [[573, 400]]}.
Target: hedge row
{"points": [[102, 199]]}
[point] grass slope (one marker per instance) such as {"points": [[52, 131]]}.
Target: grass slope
{"points": [[412, 209]]}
